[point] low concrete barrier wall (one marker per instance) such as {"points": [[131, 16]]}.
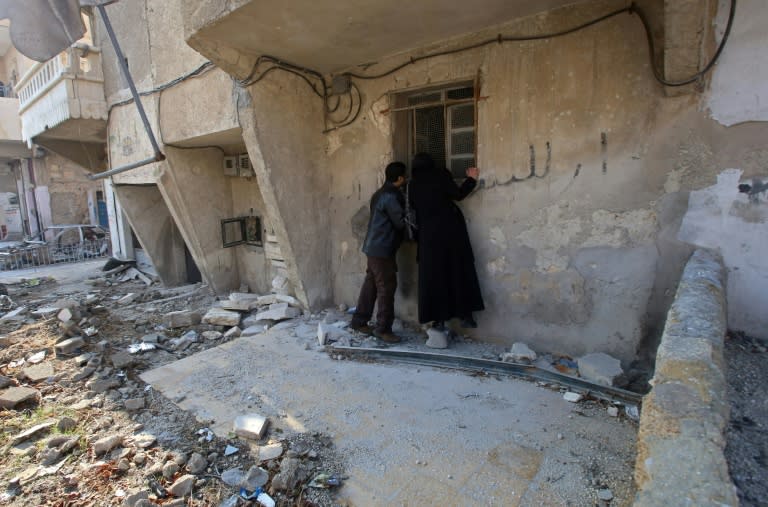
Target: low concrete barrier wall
{"points": [[680, 458]]}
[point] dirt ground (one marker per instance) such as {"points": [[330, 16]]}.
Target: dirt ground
{"points": [[747, 433], [102, 436]]}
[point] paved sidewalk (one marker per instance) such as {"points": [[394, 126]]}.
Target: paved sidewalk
{"points": [[413, 436]]}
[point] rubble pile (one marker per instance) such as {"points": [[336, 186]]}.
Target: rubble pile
{"points": [[81, 428]]}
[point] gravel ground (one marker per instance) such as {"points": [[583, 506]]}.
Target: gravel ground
{"points": [[747, 434]]}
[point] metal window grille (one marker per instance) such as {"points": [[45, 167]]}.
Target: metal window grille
{"points": [[442, 123]]}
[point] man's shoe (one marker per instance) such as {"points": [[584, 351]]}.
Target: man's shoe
{"points": [[362, 328], [386, 336]]}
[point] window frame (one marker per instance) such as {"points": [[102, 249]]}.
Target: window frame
{"points": [[250, 231]]}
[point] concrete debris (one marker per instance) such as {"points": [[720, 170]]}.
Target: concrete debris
{"points": [[250, 426], [153, 338], [232, 332], [66, 303], [633, 412], [34, 431], [255, 478], [45, 311], [136, 348], [6, 303], [37, 357], [122, 360], [240, 306], [232, 477], [573, 397], [221, 317], [284, 298], [134, 404], [5, 381], [182, 486], [38, 373], [91, 331], [436, 339], [127, 299], [184, 340], [106, 444], [92, 299], [280, 285], [173, 320], [67, 347], [197, 463], [330, 333], [13, 396], [519, 353], [288, 476], [601, 369], [103, 385], [144, 440], [278, 311], [613, 411], [230, 450], [252, 330], [266, 300], [169, 469], [270, 452], [211, 335], [14, 315], [64, 315]]}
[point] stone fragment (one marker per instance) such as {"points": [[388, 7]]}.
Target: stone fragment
{"points": [[90, 331], [182, 486], [103, 385], [34, 431], [221, 317], [230, 450], [573, 397], [83, 358], [267, 300], [66, 424], [613, 411], [182, 318], [519, 353], [122, 359], [153, 338], [56, 441], [252, 331], [37, 357], [233, 477], [250, 426], [65, 315], [15, 315], [13, 396], [49, 456], [255, 478], [284, 298], [5, 381], [67, 347], [251, 320], [140, 458], [287, 477], [185, 340], [269, 452], [106, 444], [132, 498], [66, 303], [211, 335], [144, 440], [244, 296], [134, 404], [91, 299], [84, 373], [196, 463], [605, 495], [601, 369], [127, 299], [280, 285], [436, 339], [232, 332], [278, 311], [170, 469], [330, 333], [38, 372], [45, 311], [238, 306]]}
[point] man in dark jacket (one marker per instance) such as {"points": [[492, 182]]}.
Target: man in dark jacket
{"points": [[385, 233]]}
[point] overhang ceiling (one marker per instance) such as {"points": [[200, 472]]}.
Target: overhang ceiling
{"points": [[330, 36], [5, 38]]}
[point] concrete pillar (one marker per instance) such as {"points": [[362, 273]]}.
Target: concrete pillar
{"points": [[199, 196], [282, 122], [156, 230], [119, 229]]}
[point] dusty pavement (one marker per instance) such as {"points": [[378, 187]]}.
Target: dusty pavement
{"points": [[133, 429]]}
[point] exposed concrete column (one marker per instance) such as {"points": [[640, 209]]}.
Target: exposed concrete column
{"points": [[687, 26], [199, 196], [119, 228], [282, 123], [157, 232]]}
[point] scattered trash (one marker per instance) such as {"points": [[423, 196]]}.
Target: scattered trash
{"points": [[325, 481], [135, 348], [37, 358], [632, 412], [230, 450], [206, 433], [147, 388], [157, 489], [250, 496], [265, 500], [16, 363], [573, 397], [91, 331]]}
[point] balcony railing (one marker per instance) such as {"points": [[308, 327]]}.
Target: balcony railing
{"points": [[68, 86]]}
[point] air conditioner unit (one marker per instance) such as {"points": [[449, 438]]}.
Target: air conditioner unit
{"points": [[244, 166], [230, 166]]}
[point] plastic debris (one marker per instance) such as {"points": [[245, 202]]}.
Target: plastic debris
{"points": [[230, 450], [265, 500], [135, 348], [325, 481], [250, 496], [206, 433]]}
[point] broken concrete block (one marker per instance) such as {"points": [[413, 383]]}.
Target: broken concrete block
{"points": [[266, 300], [284, 298], [601, 369], [68, 346], [211, 335], [573, 397], [185, 340], [134, 404], [153, 338], [65, 315], [91, 299], [232, 477], [240, 306], [106, 444], [127, 299], [519, 353], [32, 432], [232, 332], [252, 330], [5, 381], [222, 317], [278, 311], [38, 372], [252, 320], [182, 318], [243, 296], [196, 463], [269, 452], [330, 333], [91, 331], [255, 478], [17, 314], [613, 411], [182, 486], [103, 385], [250, 426], [436, 339], [288, 476], [122, 359]]}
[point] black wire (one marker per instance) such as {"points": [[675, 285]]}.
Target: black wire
{"points": [[195, 73], [652, 48], [357, 113]]}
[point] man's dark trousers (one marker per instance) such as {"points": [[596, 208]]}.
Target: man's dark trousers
{"points": [[379, 285]]}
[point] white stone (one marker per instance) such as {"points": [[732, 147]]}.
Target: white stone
{"points": [[240, 306], [271, 451], [436, 339], [284, 298], [106, 444], [613, 411], [250, 426], [278, 311], [520, 352], [252, 330], [573, 397], [181, 319], [212, 335], [267, 300], [127, 299], [233, 332], [600, 368], [243, 296], [221, 317], [65, 315]]}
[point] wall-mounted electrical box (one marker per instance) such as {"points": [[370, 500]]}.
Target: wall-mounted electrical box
{"points": [[230, 166], [245, 169]]}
